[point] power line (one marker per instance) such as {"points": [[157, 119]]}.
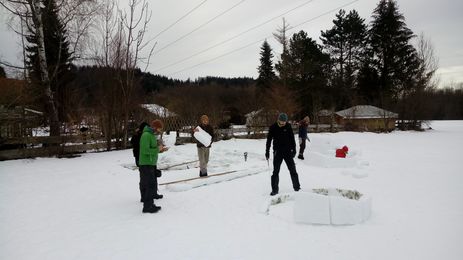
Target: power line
{"points": [[199, 27], [218, 57], [323, 14], [250, 44], [450, 72], [233, 37], [178, 20]]}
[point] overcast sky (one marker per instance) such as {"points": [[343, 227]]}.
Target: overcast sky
{"points": [[440, 21]]}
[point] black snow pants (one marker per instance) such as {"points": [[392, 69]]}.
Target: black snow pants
{"points": [[148, 184], [278, 158]]}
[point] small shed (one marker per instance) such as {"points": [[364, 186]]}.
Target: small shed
{"points": [[325, 116], [261, 118], [154, 111], [19, 121], [367, 118]]}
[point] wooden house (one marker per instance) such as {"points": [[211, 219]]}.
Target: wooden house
{"points": [[366, 118]]}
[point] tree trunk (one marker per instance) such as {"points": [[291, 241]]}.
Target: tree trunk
{"points": [[52, 111]]}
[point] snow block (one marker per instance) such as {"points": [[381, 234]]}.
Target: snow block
{"points": [[331, 206], [345, 211], [202, 136], [311, 208]]}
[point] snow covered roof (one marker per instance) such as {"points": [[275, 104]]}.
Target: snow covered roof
{"points": [[324, 112], [253, 113], [33, 111], [366, 111], [158, 110]]}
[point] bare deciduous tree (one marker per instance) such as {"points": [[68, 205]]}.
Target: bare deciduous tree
{"points": [[29, 13], [121, 46]]}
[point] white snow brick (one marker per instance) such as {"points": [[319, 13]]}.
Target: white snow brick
{"points": [[202, 136], [311, 208], [345, 211]]}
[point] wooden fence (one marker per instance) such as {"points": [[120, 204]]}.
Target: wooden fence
{"points": [[65, 146], [44, 146], [255, 132]]}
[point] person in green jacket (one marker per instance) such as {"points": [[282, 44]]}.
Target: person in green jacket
{"points": [[148, 159]]}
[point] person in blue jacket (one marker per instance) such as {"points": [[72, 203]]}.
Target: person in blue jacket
{"points": [[303, 129]]}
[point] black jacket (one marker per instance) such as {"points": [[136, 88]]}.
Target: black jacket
{"points": [[209, 130], [135, 141], [283, 139]]}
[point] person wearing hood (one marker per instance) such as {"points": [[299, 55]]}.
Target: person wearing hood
{"points": [[148, 158], [284, 148]]}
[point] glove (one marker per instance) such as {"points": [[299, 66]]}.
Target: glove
{"points": [[158, 173], [267, 155], [293, 153]]}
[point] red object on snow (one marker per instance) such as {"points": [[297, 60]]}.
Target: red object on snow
{"points": [[341, 153]]}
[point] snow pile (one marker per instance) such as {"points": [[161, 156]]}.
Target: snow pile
{"points": [[89, 207]]}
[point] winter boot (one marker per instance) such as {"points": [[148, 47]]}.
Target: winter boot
{"points": [[273, 193], [202, 174], [158, 196], [151, 209], [301, 157]]}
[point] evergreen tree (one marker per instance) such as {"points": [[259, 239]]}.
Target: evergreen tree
{"points": [[265, 69], [57, 53], [345, 43], [307, 72], [395, 58], [368, 83], [282, 65]]}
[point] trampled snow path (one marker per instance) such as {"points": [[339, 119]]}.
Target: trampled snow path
{"points": [[88, 207]]}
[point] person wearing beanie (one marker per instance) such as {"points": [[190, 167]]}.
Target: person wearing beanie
{"points": [[303, 129], [203, 151], [148, 157], [284, 148]]}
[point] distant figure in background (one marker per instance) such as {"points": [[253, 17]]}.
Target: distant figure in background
{"points": [[303, 129], [135, 141], [149, 151], [284, 148], [203, 151]]}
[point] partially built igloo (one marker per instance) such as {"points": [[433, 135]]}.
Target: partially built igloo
{"points": [[331, 206]]}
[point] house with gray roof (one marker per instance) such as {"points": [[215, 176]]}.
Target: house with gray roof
{"points": [[367, 118]]}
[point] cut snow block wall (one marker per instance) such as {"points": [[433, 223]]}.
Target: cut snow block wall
{"points": [[311, 208], [330, 208], [346, 211], [202, 136]]}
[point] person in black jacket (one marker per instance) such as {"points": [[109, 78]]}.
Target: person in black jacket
{"points": [[135, 141], [284, 148]]}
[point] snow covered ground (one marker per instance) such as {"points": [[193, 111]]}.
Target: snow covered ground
{"points": [[88, 207]]}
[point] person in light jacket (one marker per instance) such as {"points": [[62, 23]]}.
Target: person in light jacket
{"points": [[203, 151]]}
